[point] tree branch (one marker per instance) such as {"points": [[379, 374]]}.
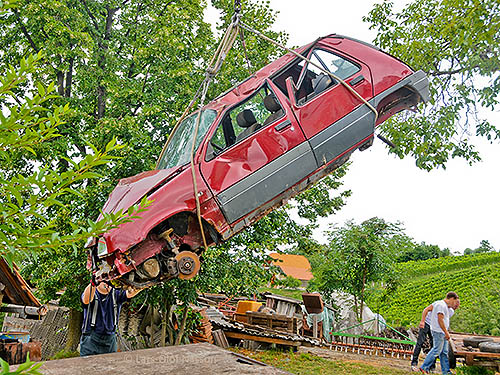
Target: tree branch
{"points": [[25, 31], [91, 15]]}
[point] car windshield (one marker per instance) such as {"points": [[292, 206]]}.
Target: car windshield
{"points": [[178, 151]]}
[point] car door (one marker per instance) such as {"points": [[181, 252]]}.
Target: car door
{"points": [[246, 166], [334, 120]]}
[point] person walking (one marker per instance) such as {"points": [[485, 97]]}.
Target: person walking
{"points": [[440, 321], [424, 332], [101, 309]]}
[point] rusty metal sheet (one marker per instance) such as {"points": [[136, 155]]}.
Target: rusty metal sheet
{"points": [[16, 291], [313, 303]]}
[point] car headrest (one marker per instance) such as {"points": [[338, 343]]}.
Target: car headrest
{"points": [[245, 118], [271, 103]]}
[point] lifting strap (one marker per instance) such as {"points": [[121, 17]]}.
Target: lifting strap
{"points": [[212, 70]]}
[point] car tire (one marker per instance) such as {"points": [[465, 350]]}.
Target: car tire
{"points": [[451, 357], [475, 341], [489, 347]]}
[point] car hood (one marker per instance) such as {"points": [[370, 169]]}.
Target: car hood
{"points": [[131, 190]]}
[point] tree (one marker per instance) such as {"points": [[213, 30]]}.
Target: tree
{"points": [[422, 251], [457, 43], [128, 69], [484, 247], [32, 201], [357, 256]]}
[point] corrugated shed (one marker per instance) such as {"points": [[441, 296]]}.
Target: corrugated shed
{"points": [[293, 265]]}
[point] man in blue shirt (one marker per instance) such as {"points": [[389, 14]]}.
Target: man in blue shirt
{"points": [[101, 308]]}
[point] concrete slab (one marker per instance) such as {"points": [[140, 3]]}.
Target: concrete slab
{"points": [[194, 359]]}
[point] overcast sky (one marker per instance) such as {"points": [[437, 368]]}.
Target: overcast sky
{"points": [[455, 208]]}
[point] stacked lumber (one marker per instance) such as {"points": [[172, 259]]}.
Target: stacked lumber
{"points": [[203, 332]]}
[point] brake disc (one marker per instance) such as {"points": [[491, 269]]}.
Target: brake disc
{"points": [[188, 264]]}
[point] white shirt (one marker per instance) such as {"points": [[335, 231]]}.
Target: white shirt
{"points": [[429, 313], [440, 307]]}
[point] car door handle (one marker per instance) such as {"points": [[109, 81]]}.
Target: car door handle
{"points": [[356, 80], [283, 125]]}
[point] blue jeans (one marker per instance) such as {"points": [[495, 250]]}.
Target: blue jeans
{"points": [[439, 349], [92, 343]]}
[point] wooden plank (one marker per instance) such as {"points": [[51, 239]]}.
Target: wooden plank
{"points": [[220, 338], [271, 340], [477, 354]]}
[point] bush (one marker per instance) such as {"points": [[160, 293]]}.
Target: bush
{"points": [[474, 370], [480, 317], [289, 282]]}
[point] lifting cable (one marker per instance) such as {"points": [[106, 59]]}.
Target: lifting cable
{"points": [[214, 67], [232, 32]]}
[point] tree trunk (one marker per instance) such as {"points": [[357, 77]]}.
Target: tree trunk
{"points": [[362, 299], [163, 328], [170, 313], [74, 329], [69, 78], [103, 49], [152, 341], [60, 82], [183, 326]]}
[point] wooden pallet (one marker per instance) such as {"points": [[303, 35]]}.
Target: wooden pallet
{"points": [[273, 321]]}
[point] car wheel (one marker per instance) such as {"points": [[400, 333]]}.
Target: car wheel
{"points": [[490, 347], [475, 341], [451, 357]]}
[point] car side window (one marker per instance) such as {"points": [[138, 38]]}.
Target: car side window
{"points": [[246, 118], [312, 81]]}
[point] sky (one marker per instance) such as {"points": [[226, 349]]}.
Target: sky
{"points": [[454, 208]]}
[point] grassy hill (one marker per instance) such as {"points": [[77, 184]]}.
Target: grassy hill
{"points": [[476, 279]]}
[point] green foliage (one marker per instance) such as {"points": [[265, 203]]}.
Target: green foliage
{"points": [[359, 255], [473, 277], [474, 370], [289, 282], [482, 316], [32, 201], [422, 251], [457, 43], [26, 368], [449, 263], [65, 354], [484, 247]]}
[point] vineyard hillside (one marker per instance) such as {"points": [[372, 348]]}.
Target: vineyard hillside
{"points": [[474, 277]]}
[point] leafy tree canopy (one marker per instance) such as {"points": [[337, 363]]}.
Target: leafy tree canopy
{"points": [[359, 255], [422, 251], [32, 202], [457, 43]]}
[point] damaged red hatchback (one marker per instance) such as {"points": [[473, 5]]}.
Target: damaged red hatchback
{"points": [[257, 145]]}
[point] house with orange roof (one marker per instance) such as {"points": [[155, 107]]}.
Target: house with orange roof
{"points": [[296, 266]]}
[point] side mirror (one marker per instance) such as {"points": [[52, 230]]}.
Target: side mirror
{"points": [[290, 88]]}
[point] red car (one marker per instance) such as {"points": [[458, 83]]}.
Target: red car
{"points": [[257, 145]]}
